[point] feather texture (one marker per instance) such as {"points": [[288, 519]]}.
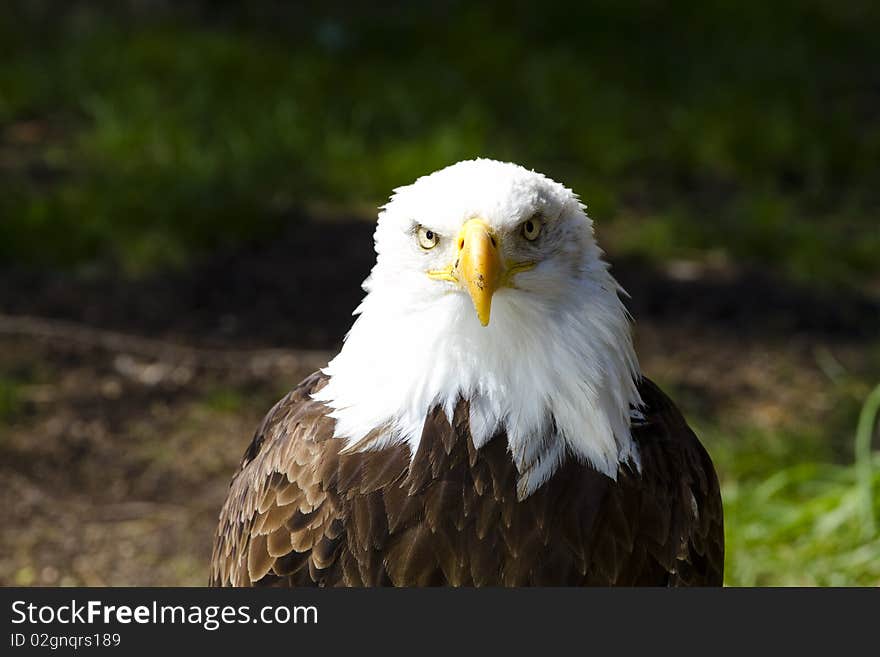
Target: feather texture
{"points": [[300, 512], [557, 325]]}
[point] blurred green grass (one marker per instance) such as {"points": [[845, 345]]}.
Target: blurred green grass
{"points": [[801, 527], [801, 500], [750, 129], [10, 400]]}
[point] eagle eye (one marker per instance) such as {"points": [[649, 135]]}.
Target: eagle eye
{"points": [[532, 228], [427, 238]]}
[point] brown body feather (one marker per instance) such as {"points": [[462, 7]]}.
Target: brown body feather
{"points": [[300, 513]]}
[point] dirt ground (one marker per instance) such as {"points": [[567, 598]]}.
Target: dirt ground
{"points": [[129, 404]]}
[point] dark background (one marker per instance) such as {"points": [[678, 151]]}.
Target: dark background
{"points": [[347, 618], [187, 198]]}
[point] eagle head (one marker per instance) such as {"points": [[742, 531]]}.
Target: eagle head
{"points": [[488, 231]]}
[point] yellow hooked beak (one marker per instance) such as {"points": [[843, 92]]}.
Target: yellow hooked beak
{"points": [[477, 267]]}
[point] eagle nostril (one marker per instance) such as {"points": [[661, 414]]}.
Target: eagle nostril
{"points": [[461, 244]]}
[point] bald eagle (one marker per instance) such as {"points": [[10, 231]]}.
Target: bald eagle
{"points": [[485, 423]]}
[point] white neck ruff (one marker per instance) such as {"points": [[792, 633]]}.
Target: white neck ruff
{"points": [[557, 382]]}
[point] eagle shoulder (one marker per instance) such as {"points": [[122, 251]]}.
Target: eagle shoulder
{"points": [[680, 519], [304, 511], [276, 507], [301, 511]]}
